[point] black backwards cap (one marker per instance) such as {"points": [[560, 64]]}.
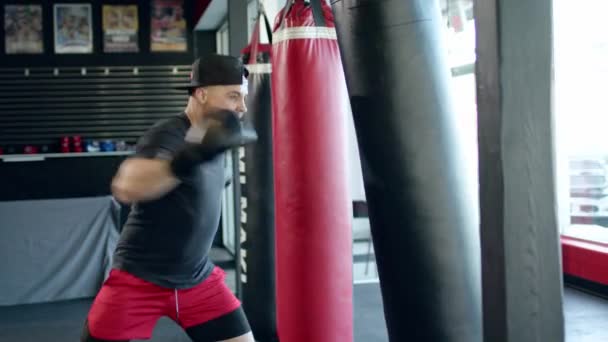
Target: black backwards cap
{"points": [[214, 69]]}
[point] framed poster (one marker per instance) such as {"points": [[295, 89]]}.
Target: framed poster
{"points": [[168, 30], [120, 28], [23, 29], [73, 28]]}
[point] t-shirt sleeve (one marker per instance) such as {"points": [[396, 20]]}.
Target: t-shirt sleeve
{"points": [[159, 143]]}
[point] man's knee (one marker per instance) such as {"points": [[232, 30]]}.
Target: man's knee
{"points": [[243, 338]]}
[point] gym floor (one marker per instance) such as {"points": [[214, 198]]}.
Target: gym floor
{"points": [[586, 318]]}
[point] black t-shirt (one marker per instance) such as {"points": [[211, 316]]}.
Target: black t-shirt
{"points": [[167, 241]]}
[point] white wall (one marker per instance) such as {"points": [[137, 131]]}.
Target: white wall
{"points": [[252, 14], [221, 39], [357, 191], [272, 8]]}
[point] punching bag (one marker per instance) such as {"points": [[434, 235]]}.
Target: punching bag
{"points": [[257, 281], [422, 214], [312, 205]]}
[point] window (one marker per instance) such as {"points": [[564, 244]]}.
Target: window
{"points": [[221, 38], [459, 29], [581, 74]]}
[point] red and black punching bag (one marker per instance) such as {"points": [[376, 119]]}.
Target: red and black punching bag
{"points": [[257, 264], [312, 205]]}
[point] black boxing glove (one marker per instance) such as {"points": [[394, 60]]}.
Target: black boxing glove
{"points": [[224, 131]]}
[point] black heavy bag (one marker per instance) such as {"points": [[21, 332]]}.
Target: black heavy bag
{"points": [[257, 279], [422, 219]]}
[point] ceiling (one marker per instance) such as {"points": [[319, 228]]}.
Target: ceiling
{"points": [[213, 16]]}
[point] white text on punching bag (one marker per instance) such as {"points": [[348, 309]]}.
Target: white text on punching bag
{"points": [[243, 223]]}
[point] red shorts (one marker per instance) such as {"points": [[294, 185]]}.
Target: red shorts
{"points": [[128, 307]]}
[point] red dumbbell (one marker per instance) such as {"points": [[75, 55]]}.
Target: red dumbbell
{"points": [[65, 145], [29, 149]]}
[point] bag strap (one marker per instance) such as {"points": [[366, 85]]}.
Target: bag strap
{"points": [[267, 25], [286, 10], [317, 13], [255, 36], [255, 42]]}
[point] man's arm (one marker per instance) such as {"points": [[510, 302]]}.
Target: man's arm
{"points": [[163, 157], [147, 174], [142, 179]]}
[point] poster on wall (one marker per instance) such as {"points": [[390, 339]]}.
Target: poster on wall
{"points": [[168, 26], [73, 28], [120, 28], [23, 29]]}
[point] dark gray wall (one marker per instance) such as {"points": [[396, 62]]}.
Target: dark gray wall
{"points": [[40, 107], [144, 57], [204, 42]]}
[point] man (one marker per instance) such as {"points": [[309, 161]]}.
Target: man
{"points": [[174, 182]]}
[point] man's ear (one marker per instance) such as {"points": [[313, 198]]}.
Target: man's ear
{"points": [[201, 93]]}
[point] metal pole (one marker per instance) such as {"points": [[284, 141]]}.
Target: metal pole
{"points": [[237, 40]]}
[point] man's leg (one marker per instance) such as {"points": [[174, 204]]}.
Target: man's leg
{"points": [[232, 327], [210, 312], [86, 336], [125, 308]]}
